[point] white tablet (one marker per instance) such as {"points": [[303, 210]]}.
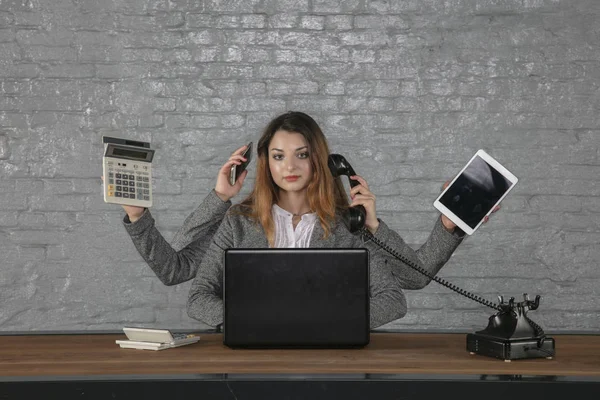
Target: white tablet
{"points": [[475, 191]]}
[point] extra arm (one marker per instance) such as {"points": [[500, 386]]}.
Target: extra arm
{"points": [[205, 300], [431, 256], [178, 263]]}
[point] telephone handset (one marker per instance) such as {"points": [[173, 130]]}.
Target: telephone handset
{"points": [[353, 217], [510, 334]]}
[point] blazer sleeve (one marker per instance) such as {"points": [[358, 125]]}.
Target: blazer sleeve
{"points": [[387, 302], [431, 256], [205, 300], [177, 263]]}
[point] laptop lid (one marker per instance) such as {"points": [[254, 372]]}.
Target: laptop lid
{"points": [[296, 297]]}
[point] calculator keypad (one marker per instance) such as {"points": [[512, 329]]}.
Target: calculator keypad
{"points": [[129, 183]]}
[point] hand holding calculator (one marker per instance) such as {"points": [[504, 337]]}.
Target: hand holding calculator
{"points": [[127, 172]]}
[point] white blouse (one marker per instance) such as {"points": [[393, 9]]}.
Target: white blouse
{"points": [[286, 235]]}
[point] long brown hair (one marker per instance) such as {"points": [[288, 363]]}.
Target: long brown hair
{"points": [[325, 193]]}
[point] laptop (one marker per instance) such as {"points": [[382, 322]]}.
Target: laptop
{"points": [[296, 298]]}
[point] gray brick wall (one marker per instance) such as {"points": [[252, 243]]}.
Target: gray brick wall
{"points": [[409, 90]]}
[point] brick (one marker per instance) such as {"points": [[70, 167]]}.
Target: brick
{"points": [[193, 20], [257, 55], [231, 54], [19, 71], [58, 37], [68, 71], [279, 71], [4, 149], [151, 121], [309, 56], [137, 22], [339, 22], [270, 6], [252, 38], [275, 88], [232, 120], [256, 104], [205, 105], [285, 56], [238, 6], [12, 201], [60, 220], [74, 20], [334, 88], [117, 71], [56, 253], [253, 21], [313, 103], [36, 237], [338, 6], [227, 21], [16, 88], [205, 38], [206, 54], [129, 55], [43, 53], [8, 219], [28, 186], [312, 22], [252, 88], [6, 19], [380, 22], [58, 203], [224, 71], [163, 40], [7, 35], [179, 55], [32, 220], [176, 88], [297, 39], [177, 121], [10, 51], [362, 56]]}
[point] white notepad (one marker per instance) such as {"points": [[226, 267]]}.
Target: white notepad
{"points": [[154, 339]]}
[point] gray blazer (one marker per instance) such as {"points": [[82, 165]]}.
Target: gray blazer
{"points": [[199, 246]]}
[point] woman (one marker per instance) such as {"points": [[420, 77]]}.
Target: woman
{"points": [[296, 202]]}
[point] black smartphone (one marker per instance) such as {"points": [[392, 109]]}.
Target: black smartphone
{"points": [[236, 170]]}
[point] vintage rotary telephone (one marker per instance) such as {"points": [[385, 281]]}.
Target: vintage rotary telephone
{"points": [[510, 334]]}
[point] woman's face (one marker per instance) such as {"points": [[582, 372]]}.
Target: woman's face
{"points": [[289, 161]]}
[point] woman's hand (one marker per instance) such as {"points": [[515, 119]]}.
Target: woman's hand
{"points": [[449, 225], [223, 189], [134, 213], [361, 195]]}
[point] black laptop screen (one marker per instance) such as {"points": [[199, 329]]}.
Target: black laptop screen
{"points": [[296, 297]]}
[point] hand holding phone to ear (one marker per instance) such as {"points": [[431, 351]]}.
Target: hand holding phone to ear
{"points": [[223, 188], [361, 195]]}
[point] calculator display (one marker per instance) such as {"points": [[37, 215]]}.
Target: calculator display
{"points": [[138, 155]]}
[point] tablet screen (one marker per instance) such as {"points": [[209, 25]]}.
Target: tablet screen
{"points": [[476, 190]]}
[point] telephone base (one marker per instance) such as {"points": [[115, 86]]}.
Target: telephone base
{"points": [[509, 349]]}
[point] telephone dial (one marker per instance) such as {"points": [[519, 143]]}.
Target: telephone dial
{"points": [[510, 334]]}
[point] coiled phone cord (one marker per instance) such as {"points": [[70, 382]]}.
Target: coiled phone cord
{"points": [[539, 332], [541, 337], [423, 271]]}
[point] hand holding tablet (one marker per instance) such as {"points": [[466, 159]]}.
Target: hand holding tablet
{"points": [[475, 192]]}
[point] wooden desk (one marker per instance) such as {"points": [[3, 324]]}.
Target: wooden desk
{"points": [[399, 358]]}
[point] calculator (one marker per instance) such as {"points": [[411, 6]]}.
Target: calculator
{"points": [[127, 170]]}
